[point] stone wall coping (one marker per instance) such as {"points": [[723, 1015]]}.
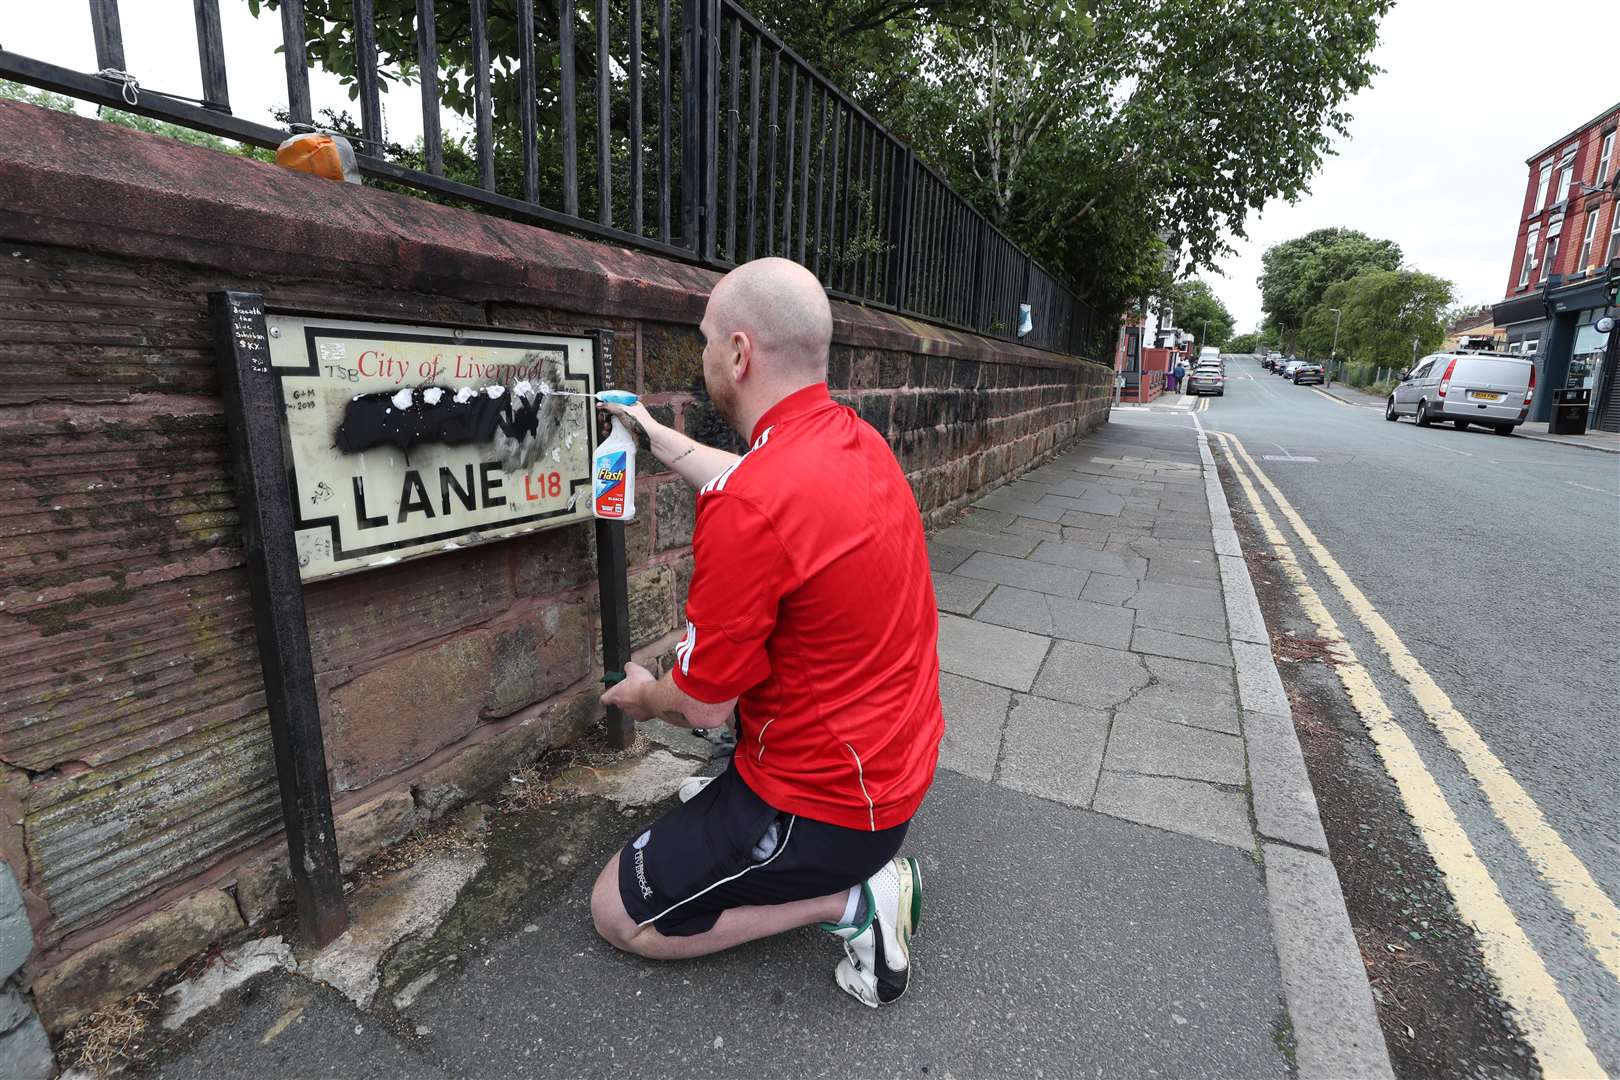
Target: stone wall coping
{"points": [[76, 182]]}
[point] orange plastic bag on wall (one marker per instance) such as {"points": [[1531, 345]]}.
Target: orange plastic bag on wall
{"points": [[319, 154]]}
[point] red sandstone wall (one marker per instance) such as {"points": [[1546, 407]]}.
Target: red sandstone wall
{"points": [[134, 756]]}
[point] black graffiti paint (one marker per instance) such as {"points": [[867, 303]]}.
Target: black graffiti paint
{"points": [[373, 420]]}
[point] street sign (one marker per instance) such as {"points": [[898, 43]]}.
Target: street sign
{"points": [[407, 441]]}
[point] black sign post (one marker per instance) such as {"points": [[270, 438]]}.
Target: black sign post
{"points": [[612, 580], [242, 346]]}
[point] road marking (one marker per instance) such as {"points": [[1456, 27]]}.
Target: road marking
{"points": [[1286, 457], [1340, 400], [1562, 870], [1550, 1026], [1586, 487], [1449, 450]]}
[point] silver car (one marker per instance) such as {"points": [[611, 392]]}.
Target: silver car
{"points": [[1493, 390], [1207, 379]]}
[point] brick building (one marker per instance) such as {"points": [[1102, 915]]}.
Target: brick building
{"points": [[1566, 248]]}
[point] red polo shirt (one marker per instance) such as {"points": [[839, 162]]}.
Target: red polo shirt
{"points": [[812, 604]]}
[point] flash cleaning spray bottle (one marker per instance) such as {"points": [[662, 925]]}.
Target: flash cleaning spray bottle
{"points": [[613, 472]]}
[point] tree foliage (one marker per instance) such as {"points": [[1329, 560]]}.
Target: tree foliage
{"points": [[1195, 307], [1384, 311], [1242, 343], [1296, 273], [1121, 141]]}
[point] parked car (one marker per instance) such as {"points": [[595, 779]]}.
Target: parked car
{"points": [[1207, 379], [1493, 390], [1289, 368], [1308, 371]]}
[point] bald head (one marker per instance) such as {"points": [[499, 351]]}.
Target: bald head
{"points": [[782, 309]]}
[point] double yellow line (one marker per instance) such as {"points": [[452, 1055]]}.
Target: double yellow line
{"points": [[1551, 1028]]}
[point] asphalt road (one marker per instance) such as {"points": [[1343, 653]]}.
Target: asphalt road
{"points": [[1497, 562]]}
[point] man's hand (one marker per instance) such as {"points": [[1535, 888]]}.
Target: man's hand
{"points": [[630, 695]]}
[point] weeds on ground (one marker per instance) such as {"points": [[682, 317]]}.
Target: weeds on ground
{"points": [[110, 1040]]}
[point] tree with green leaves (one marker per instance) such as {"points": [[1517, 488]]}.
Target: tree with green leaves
{"points": [[1117, 140], [1199, 311], [1242, 343], [1296, 273], [1382, 313]]}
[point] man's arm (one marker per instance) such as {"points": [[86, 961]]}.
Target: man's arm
{"points": [[695, 463], [641, 697]]}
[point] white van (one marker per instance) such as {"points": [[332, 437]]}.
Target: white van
{"points": [[1490, 389]]}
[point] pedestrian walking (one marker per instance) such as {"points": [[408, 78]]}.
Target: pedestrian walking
{"points": [[811, 625], [1178, 376]]}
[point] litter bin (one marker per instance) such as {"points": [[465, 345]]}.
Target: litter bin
{"points": [[1569, 411]]}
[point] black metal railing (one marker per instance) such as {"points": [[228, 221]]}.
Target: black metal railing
{"points": [[705, 139]]}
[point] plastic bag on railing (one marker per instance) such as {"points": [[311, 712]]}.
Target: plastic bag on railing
{"points": [[319, 154]]}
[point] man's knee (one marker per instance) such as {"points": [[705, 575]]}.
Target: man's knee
{"points": [[612, 922]]}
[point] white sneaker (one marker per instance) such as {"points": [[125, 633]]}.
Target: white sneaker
{"points": [[688, 791], [877, 963]]}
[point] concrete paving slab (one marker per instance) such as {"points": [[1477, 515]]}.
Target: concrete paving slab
{"points": [[1152, 747], [1090, 675], [1336, 1029], [999, 500], [980, 519], [1080, 557], [974, 540], [1181, 806], [1172, 530], [1192, 568], [1036, 576], [1108, 589], [1105, 503], [1147, 639], [943, 558], [1099, 522], [959, 595], [1035, 528], [1226, 542], [1260, 688], [991, 654], [1095, 539], [1072, 620], [975, 713], [1284, 803], [1053, 749], [1183, 692]]}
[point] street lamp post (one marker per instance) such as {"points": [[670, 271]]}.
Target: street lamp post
{"points": [[1333, 353]]}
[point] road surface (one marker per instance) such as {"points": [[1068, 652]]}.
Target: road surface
{"points": [[1477, 580]]}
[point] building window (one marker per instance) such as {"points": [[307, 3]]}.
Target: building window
{"points": [[1566, 175], [1547, 260], [1605, 158], [1541, 186], [1586, 240], [1614, 235], [1530, 241]]}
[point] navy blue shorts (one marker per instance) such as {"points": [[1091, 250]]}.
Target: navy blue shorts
{"points": [[698, 860]]}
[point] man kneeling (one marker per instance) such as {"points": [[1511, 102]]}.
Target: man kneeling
{"points": [[811, 624]]}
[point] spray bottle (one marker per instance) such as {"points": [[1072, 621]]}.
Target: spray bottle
{"points": [[613, 470]]}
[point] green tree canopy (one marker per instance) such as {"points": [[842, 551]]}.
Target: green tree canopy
{"points": [[1195, 307], [1296, 273], [1118, 140], [1242, 343], [1383, 312]]}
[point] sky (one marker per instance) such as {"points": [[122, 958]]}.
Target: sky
{"points": [[1435, 157]]}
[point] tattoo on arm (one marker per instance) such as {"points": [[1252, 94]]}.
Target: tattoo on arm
{"points": [[682, 454]]}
